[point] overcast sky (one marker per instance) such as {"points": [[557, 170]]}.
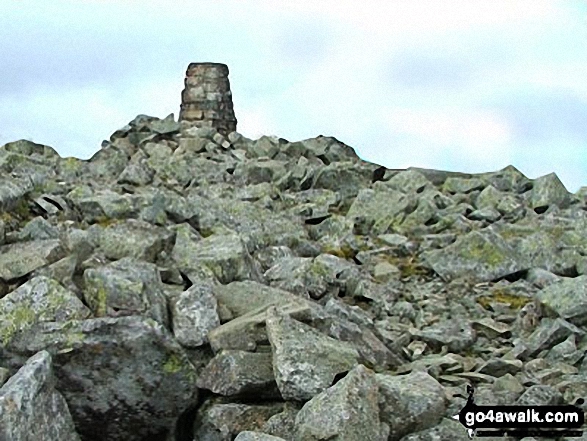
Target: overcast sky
{"points": [[454, 85]]}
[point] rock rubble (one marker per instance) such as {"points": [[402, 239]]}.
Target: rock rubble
{"points": [[188, 283]]}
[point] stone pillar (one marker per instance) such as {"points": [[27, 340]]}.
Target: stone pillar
{"points": [[206, 100]]}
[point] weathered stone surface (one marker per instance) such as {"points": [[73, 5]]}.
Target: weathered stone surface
{"points": [[124, 378], [20, 259], [126, 287], [348, 410], [223, 421], [206, 100], [225, 255], [30, 406], [39, 300], [548, 190], [455, 335], [482, 256], [379, 209], [410, 403], [134, 238], [305, 361], [248, 331], [567, 298], [194, 313], [240, 373]]}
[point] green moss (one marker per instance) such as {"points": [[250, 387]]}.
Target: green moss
{"points": [[344, 251], [105, 221], [173, 364]]}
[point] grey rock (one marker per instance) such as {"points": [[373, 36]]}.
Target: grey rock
{"points": [[20, 259], [220, 421], [32, 408], [483, 256], [456, 335], [101, 371], [348, 410], [379, 209], [126, 287], [447, 430], [226, 256], [194, 313], [568, 298], [134, 238], [410, 403], [305, 362], [540, 395], [39, 300], [38, 229], [409, 181], [240, 373], [548, 190]]}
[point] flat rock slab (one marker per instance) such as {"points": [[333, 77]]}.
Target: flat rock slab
{"points": [[347, 411], [39, 300], [305, 361], [20, 259], [240, 298], [124, 378], [480, 256], [31, 408], [248, 331]]}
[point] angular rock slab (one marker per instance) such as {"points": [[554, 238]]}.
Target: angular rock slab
{"points": [[39, 300], [305, 361], [568, 298], [126, 287], [194, 314], [31, 408], [226, 256], [410, 403], [220, 421], [124, 378], [480, 256], [347, 411], [135, 238], [20, 259], [238, 373]]}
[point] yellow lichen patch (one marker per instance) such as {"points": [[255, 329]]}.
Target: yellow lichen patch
{"points": [[501, 295], [16, 320]]}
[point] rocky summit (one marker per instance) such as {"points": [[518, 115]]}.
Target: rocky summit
{"points": [[188, 283]]}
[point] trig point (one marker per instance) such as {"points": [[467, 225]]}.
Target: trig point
{"points": [[206, 100]]}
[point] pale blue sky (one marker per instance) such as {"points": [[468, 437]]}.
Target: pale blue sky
{"points": [[456, 85]]}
